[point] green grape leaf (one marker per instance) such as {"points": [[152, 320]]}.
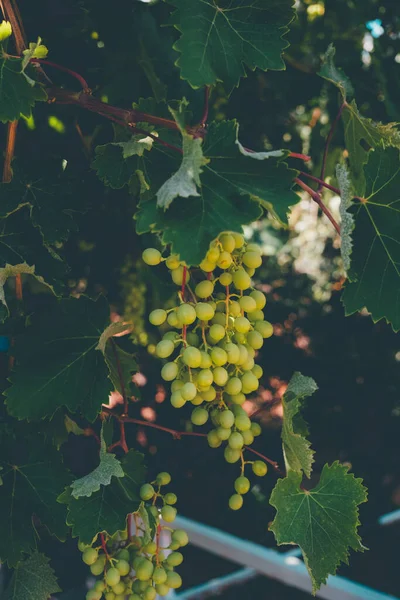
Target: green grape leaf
{"points": [[374, 274], [136, 145], [346, 218], [361, 135], [17, 94], [121, 364], [31, 484], [108, 467], [296, 448], [218, 39], [234, 184], [58, 363], [107, 509], [334, 74], [110, 166], [33, 579], [322, 521]]}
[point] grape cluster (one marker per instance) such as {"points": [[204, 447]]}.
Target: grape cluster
{"points": [[211, 342], [135, 567]]}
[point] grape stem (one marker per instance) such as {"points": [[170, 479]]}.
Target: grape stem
{"points": [[317, 198], [321, 183], [304, 157], [49, 63], [104, 546]]}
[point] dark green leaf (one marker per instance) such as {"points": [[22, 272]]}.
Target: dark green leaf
{"points": [[121, 364], [17, 95], [32, 579], [110, 166], [334, 74]]}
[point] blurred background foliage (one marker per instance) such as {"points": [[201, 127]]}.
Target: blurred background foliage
{"points": [[124, 54]]}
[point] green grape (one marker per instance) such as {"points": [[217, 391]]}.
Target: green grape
{"points": [[191, 357], [239, 338], [243, 354], [158, 316], [197, 400], [207, 266], [162, 589], [248, 365], [257, 371], [233, 386], [89, 556], [242, 422], [256, 429], [239, 239], [250, 272], [236, 440], [147, 491], [177, 385], [169, 371], [192, 339], [223, 433], [163, 478], [154, 511], [213, 255], [168, 513], [235, 502], [177, 400], [123, 567], [149, 593], [177, 276], [144, 570], [175, 559], [252, 259], [249, 382], [165, 348], [259, 468], [204, 289], [227, 241], [232, 455], [188, 391], [218, 356], [199, 416], [205, 378], [233, 353], [204, 311], [242, 325], [260, 299], [219, 318], [186, 314], [265, 328], [255, 316], [247, 303], [173, 320], [209, 395], [206, 361], [213, 440], [159, 575], [123, 554], [93, 595], [255, 340], [170, 498], [119, 589], [241, 279], [225, 279], [135, 597], [234, 308], [225, 260], [97, 567], [217, 332], [100, 586], [109, 596], [150, 547], [248, 437], [82, 547], [151, 256], [238, 399], [253, 248], [173, 262], [112, 577], [242, 485], [226, 419], [180, 537], [174, 580], [250, 351], [220, 376]]}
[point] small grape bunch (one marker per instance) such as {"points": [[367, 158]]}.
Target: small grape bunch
{"points": [[214, 334], [138, 567]]}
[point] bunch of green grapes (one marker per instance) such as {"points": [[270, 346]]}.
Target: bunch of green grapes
{"points": [[214, 334], [134, 567]]}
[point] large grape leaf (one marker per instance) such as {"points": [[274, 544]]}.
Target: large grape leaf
{"points": [[32, 481], [322, 521], [233, 186], [374, 274], [17, 95], [58, 363], [106, 510], [296, 448], [218, 39], [33, 579]]}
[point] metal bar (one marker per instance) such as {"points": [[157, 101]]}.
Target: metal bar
{"points": [[389, 518], [218, 585], [288, 569]]}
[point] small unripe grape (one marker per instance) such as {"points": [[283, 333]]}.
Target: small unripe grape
{"points": [[170, 498], [148, 594], [251, 351], [235, 502], [205, 377], [163, 478], [144, 570], [227, 241], [204, 311], [248, 365], [89, 556], [257, 371], [109, 596], [239, 338], [252, 259], [168, 513], [197, 400], [238, 399], [119, 590], [255, 316], [239, 239], [220, 376], [174, 580], [93, 595], [151, 547], [175, 559], [213, 255], [259, 468], [218, 356], [186, 314], [123, 554], [204, 289], [217, 332], [112, 577], [100, 586], [256, 429], [165, 348], [159, 575], [255, 340], [147, 491], [233, 386], [173, 262], [213, 439], [250, 272], [98, 566], [199, 416], [225, 279], [177, 276], [169, 371], [206, 361], [242, 422], [133, 597], [233, 353], [151, 256], [248, 437], [82, 547], [260, 299], [241, 279], [265, 328], [253, 248], [236, 440], [242, 485], [193, 339], [225, 260], [231, 454], [207, 266], [191, 357], [158, 316], [188, 391], [177, 400], [234, 308], [173, 320], [247, 303], [250, 381], [223, 433], [242, 325], [177, 385], [162, 589], [209, 395], [226, 418]]}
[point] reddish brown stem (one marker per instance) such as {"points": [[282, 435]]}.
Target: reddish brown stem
{"points": [[327, 144], [273, 463], [120, 376], [317, 198], [89, 432], [321, 183], [49, 63], [9, 152], [304, 157], [104, 546]]}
